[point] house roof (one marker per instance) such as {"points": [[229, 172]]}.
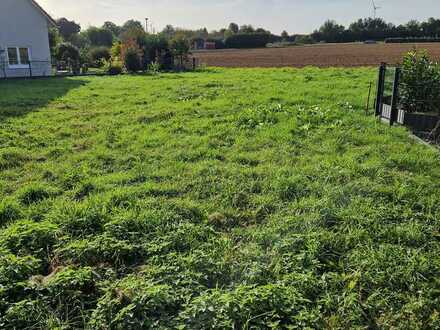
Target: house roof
{"points": [[45, 14]]}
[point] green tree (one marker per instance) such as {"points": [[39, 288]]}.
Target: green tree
{"points": [[115, 29], [285, 35], [100, 36], [132, 25], [247, 29], [169, 31], [234, 28], [180, 47], [54, 39], [67, 28]]}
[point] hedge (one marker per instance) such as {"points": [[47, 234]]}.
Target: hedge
{"points": [[410, 40], [252, 40]]}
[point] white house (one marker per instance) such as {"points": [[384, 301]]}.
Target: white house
{"points": [[24, 39]]}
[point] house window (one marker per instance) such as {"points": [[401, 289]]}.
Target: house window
{"points": [[12, 55], [24, 55], [18, 57]]}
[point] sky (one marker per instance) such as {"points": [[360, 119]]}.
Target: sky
{"points": [[294, 16]]}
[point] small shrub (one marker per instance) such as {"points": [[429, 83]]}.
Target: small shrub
{"points": [[154, 67], [113, 67], [98, 55], [420, 84], [66, 51], [131, 55]]}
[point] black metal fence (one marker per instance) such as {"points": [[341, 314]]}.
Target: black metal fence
{"points": [[389, 108]]}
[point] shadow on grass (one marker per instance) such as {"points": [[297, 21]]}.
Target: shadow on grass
{"points": [[19, 97]]}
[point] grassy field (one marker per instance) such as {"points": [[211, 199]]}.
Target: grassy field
{"points": [[228, 198]]}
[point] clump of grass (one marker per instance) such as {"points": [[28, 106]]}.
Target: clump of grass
{"points": [[12, 157], [34, 193], [10, 210]]}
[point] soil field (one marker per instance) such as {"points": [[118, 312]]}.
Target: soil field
{"points": [[326, 55]]}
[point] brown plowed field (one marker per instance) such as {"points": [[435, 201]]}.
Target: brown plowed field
{"points": [[323, 55]]}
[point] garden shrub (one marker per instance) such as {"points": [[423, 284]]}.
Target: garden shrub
{"points": [[113, 67], [68, 53], [131, 55], [420, 83], [98, 55]]}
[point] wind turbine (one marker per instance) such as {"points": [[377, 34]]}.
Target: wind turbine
{"points": [[375, 8]]}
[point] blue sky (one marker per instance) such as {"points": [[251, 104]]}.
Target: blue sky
{"points": [[295, 16]]}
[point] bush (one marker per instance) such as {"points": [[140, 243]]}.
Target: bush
{"points": [[67, 52], [131, 55], [248, 40], [304, 40], [113, 67], [420, 84], [98, 55], [180, 48]]}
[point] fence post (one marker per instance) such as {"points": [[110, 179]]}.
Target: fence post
{"points": [[380, 88], [30, 69], [395, 97], [194, 64]]}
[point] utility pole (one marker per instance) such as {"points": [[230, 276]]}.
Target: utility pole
{"points": [[146, 25]]}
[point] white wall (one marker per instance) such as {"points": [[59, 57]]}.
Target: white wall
{"points": [[23, 25]]}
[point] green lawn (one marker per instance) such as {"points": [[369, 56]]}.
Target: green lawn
{"points": [[228, 198]]}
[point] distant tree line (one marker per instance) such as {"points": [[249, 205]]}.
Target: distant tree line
{"points": [[116, 43], [376, 29]]}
